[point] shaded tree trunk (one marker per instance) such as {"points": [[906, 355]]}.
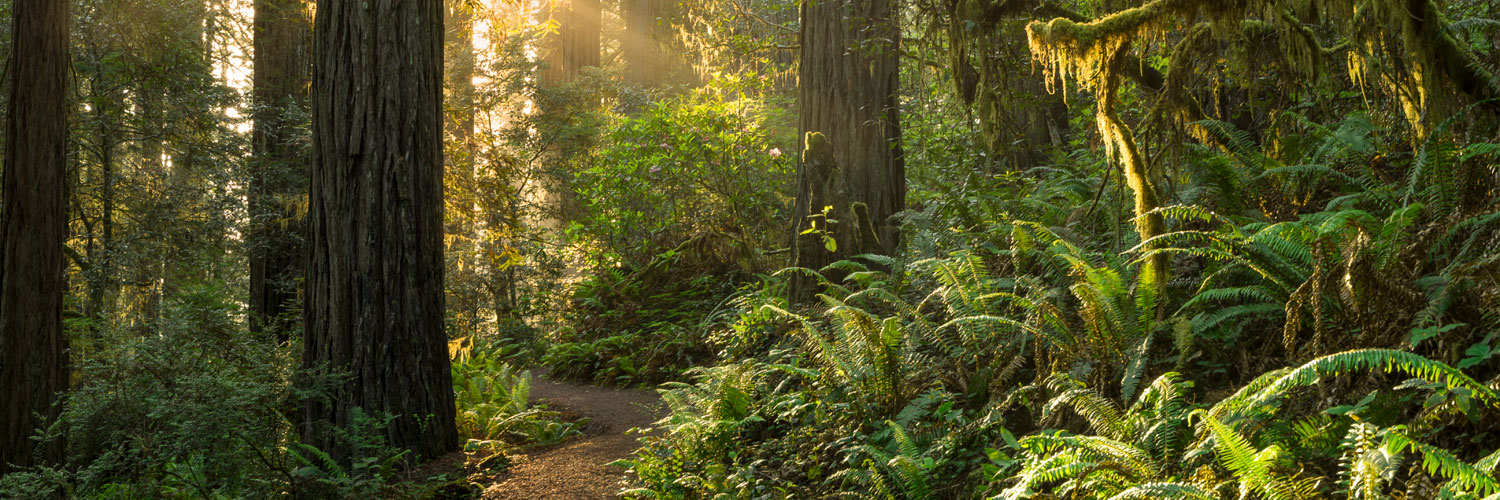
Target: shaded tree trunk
{"points": [[375, 300], [105, 103], [33, 229], [853, 160], [278, 177]]}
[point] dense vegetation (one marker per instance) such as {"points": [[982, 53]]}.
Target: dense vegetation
{"points": [[918, 249]]}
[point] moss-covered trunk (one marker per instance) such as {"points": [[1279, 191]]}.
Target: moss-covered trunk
{"points": [[853, 163]]}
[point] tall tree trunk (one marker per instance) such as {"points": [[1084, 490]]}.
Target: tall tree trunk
{"points": [[33, 223], [853, 160], [146, 298], [278, 179], [576, 44], [645, 63], [573, 47], [105, 98], [460, 149], [375, 224]]}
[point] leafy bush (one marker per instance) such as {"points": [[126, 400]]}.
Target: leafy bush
{"points": [[197, 408], [703, 162]]}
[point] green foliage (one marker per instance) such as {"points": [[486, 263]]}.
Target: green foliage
{"points": [[1254, 468], [1332, 302], [371, 464], [1131, 449], [195, 410], [494, 409], [906, 368], [703, 162], [643, 325], [706, 420]]}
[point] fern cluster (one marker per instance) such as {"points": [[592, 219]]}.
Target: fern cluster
{"points": [[1328, 331]]}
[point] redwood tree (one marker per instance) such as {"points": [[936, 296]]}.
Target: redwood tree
{"points": [[645, 62], [576, 44], [278, 178], [33, 228], [375, 271], [853, 161]]}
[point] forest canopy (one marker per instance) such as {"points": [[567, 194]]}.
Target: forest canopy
{"points": [[750, 249]]}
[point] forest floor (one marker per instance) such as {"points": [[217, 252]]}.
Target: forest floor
{"points": [[579, 469]]}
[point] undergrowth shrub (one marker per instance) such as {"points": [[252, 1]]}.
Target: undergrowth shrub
{"points": [[195, 408], [493, 404], [710, 160], [647, 324], [1013, 353]]}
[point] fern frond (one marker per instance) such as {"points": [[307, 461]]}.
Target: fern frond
{"points": [[1102, 414], [1387, 360], [1165, 491], [1252, 467], [1366, 466], [1125, 458], [1206, 322], [1439, 462]]}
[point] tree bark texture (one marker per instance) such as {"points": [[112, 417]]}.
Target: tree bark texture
{"points": [[375, 300], [853, 161], [278, 181], [33, 228], [576, 44]]}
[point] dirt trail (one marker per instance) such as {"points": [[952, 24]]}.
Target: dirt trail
{"points": [[579, 470]]}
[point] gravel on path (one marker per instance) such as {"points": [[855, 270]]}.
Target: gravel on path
{"points": [[579, 470]]}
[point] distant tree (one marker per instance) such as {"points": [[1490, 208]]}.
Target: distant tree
{"points": [[151, 206], [98, 218], [375, 301], [852, 163], [576, 44], [33, 227], [645, 63], [460, 149], [1017, 119], [278, 179], [459, 59]]}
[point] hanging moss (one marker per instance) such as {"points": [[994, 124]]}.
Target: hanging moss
{"points": [[1072, 50], [1403, 47], [1091, 53]]}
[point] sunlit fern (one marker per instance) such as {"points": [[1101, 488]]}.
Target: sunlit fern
{"points": [[1131, 448], [1254, 469], [869, 359], [716, 406], [1373, 456], [1115, 319], [1256, 398]]}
